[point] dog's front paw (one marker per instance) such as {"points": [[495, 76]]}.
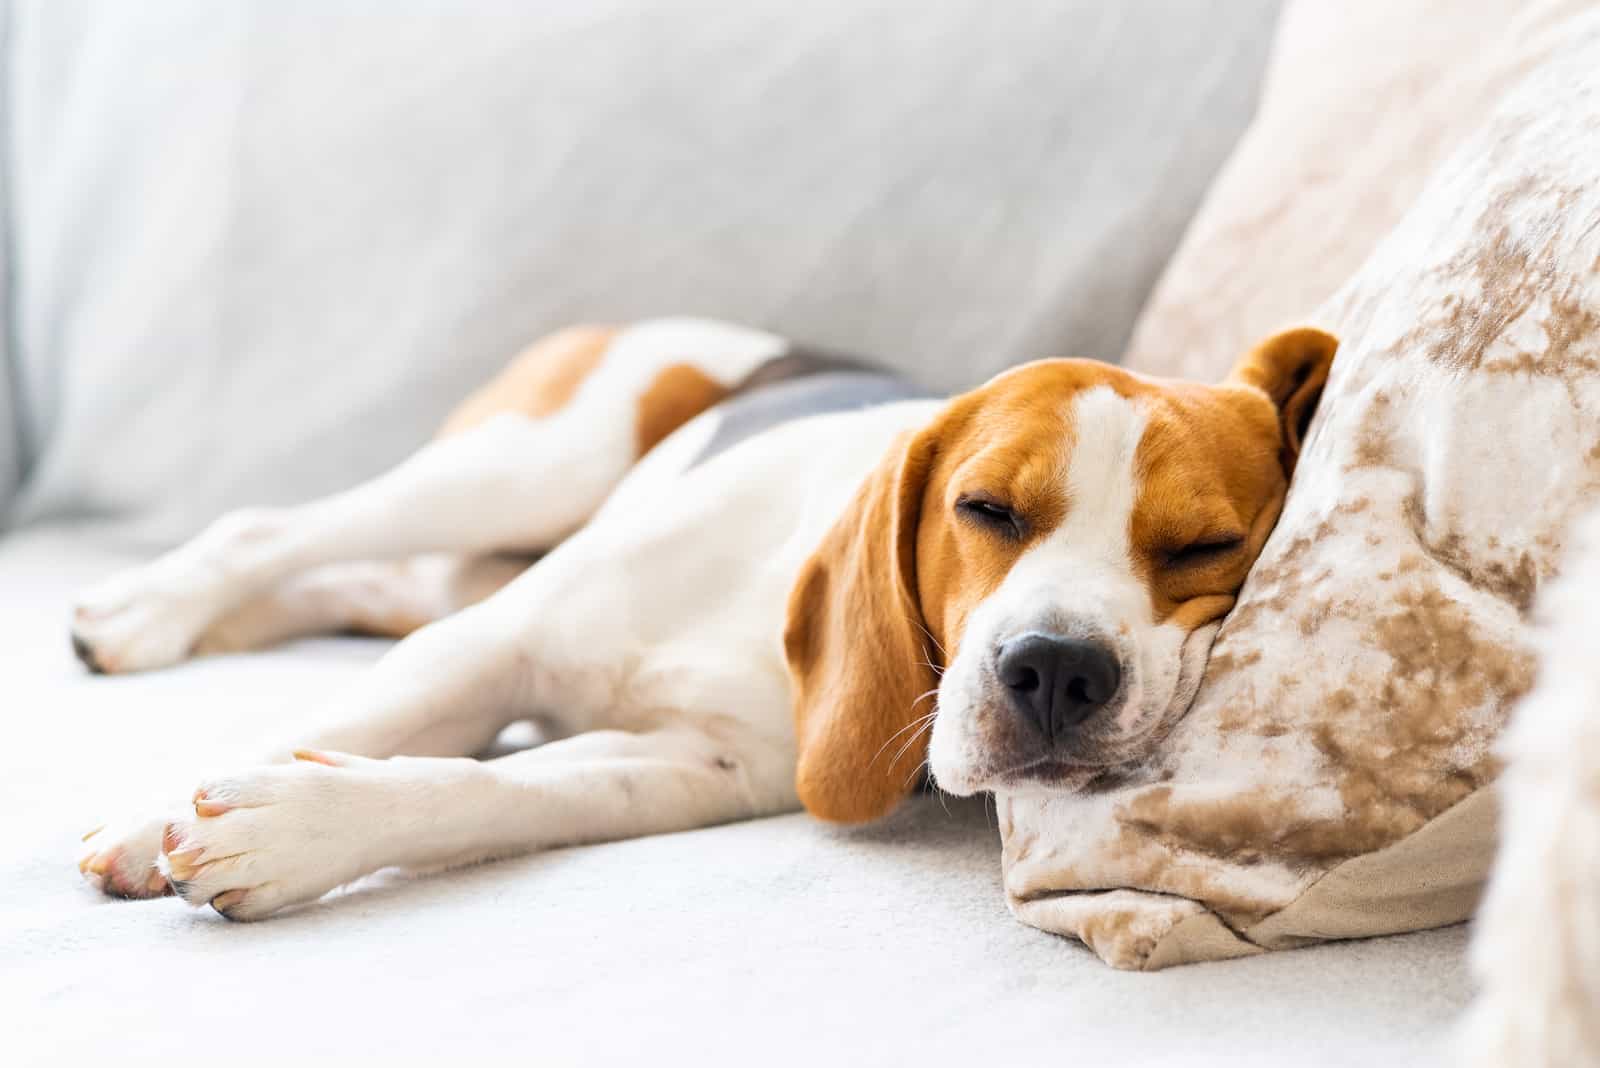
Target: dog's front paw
{"points": [[278, 836], [119, 859]]}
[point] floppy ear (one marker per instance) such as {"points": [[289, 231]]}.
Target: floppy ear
{"points": [[1291, 367], [857, 650]]}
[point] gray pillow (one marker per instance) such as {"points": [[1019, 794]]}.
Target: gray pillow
{"points": [[263, 245]]}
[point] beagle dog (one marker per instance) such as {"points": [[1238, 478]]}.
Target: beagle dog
{"points": [[764, 578]]}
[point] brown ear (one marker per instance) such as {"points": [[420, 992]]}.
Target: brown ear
{"points": [[1291, 368], [857, 649]]}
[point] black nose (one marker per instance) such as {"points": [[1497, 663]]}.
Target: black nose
{"points": [[1057, 682]]}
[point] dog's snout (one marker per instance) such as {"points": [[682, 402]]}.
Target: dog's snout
{"points": [[1055, 682]]}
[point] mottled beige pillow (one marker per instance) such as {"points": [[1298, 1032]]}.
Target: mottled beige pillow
{"points": [[1328, 781], [1362, 100]]}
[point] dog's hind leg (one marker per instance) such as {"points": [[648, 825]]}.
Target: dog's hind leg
{"points": [[516, 469], [377, 598]]}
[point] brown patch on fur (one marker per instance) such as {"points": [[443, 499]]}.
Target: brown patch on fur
{"points": [[889, 590], [1214, 464], [855, 644], [1008, 443], [679, 392], [539, 381]]}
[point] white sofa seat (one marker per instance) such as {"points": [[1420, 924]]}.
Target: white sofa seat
{"points": [[779, 941]]}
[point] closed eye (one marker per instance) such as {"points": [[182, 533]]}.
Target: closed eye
{"points": [[990, 513], [1207, 550]]}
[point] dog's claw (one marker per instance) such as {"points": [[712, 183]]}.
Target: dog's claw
{"points": [[205, 808], [227, 900], [98, 863], [85, 653], [182, 865]]}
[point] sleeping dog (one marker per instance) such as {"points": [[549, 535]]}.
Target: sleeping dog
{"points": [[763, 578]]}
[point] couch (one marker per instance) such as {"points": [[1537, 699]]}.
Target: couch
{"points": [[254, 250]]}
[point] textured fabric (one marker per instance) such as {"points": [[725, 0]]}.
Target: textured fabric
{"points": [[1354, 693], [1363, 99], [1430, 878], [776, 942], [265, 265]]}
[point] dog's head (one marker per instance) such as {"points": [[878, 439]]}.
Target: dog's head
{"points": [[1025, 591]]}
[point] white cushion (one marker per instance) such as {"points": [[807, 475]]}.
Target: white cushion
{"points": [[779, 941]]}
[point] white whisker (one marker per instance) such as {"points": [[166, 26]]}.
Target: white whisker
{"points": [[924, 628], [914, 773], [914, 723], [924, 725]]}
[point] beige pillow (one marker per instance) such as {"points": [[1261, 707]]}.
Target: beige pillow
{"points": [[1328, 781], [1362, 100]]}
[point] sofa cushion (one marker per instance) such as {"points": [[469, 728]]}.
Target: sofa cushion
{"points": [[784, 941], [266, 265], [1330, 779], [1362, 101]]}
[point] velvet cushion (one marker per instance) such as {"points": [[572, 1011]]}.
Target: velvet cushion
{"points": [[1330, 779], [1363, 99]]}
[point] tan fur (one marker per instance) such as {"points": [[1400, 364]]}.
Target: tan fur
{"points": [[539, 381], [1004, 447], [1216, 462], [858, 656], [678, 394], [1290, 367], [881, 605]]}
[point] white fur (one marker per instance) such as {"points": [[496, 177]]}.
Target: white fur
{"points": [[1537, 949], [1081, 582], [651, 636], [648, 638], [513, 484]]}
